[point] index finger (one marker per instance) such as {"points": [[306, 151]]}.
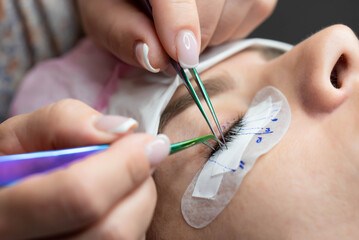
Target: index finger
{"points": [[70, 199], [65, 124], [178, 28]]}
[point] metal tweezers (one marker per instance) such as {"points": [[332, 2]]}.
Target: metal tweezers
{"points": [[15, 167], [180, 71], [191, 90]]}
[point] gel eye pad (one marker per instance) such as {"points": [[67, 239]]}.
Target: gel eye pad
{"points": [[213, 187]]}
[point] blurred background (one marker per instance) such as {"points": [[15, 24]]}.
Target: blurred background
{"points": [[294, 20]]}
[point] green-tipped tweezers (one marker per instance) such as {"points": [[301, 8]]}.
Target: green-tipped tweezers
{"points": [[180, 71], [15, 167]]}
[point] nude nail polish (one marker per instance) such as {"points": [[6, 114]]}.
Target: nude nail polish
{"points": [[158, 150], [187, 49]]}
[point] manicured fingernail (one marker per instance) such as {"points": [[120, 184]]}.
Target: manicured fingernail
{"points": [[141, 51], [187, 49], [158, 149], [115, 124]]}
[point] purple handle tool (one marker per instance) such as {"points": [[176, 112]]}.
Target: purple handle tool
{"points": [[17, 166]]}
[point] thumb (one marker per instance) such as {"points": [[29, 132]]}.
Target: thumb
{"points": [[68, 123]]}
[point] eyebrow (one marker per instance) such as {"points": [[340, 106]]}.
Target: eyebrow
{"points": [[214, 86]]}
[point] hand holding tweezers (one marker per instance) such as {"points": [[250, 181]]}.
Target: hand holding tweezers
{"points": [[15, 167], [180, 71]]}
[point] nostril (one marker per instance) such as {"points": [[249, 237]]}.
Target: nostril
{"points": [[336, 76]]}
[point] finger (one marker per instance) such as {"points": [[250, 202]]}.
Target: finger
{"points": [[125, 31], [178, 29], [68, 123], [129, 219], [233, 13], [260, 11], [209, 16], [76, 197]]}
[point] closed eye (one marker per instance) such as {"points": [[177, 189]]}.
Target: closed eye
{"points": [[229, 135]]}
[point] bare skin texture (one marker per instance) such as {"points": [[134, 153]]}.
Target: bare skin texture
{"points": [[306, 187]]}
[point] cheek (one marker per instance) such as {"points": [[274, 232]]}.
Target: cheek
{"points": [[299, 183]]}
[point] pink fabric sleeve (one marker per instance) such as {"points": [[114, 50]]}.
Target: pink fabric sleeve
{"points": [[87, 73]]}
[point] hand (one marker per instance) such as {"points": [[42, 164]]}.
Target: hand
{"points": [[107, 195], [180, 29]]}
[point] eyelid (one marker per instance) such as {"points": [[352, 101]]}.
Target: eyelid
{"points": [[215, 85]]}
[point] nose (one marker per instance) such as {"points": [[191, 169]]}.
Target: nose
{"points": [[325, 65]]}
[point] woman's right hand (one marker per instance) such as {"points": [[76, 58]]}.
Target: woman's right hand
{"points": [[110, 195]]}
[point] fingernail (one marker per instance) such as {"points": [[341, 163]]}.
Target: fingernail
{"points": [[115, 124], [158, 149], [141, 51], [187, 49]]}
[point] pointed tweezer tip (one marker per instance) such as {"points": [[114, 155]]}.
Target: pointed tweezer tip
{"points": [[221, 144], [217, 140], [222, 136]]}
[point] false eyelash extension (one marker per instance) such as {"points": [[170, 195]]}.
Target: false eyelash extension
{"points": [[230, 135]]}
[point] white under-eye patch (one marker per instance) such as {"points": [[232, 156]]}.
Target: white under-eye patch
{"points": [[212, 188]]}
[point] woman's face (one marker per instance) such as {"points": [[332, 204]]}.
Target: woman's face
{"points": [[306, 187]]}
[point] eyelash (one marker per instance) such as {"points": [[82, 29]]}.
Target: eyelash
{"points": [[232, 133]]}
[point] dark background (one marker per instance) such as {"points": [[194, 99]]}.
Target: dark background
{"points": [[294, 20]]}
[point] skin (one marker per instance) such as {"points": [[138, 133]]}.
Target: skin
{"points": [[208, 20], [306, 186]]}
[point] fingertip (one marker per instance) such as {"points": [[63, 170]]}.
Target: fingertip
{"points": [[157, 150]]}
